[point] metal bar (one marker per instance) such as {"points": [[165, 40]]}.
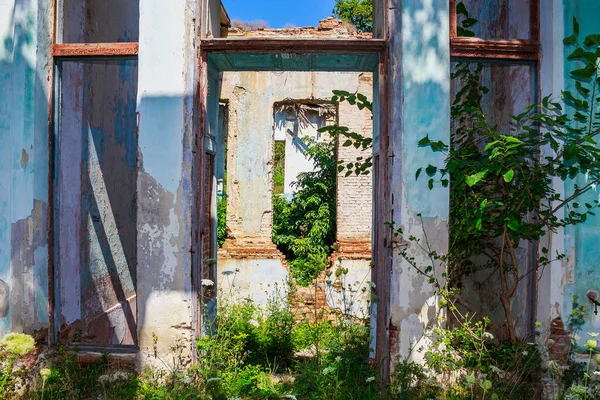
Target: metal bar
{"points": [[383, 205], [51, 167], [453, 30], [329, 46], [83, 50]]}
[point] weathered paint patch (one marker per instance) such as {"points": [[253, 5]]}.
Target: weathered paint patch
{"points": [[581, 241], [420, 87], [24, 55]]}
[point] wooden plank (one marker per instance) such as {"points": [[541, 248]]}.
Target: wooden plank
{"points": [[463, 47], [82, 50], [300, 45]]}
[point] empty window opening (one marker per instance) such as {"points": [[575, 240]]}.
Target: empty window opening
{"points": [[96, 218], [92, 21]]}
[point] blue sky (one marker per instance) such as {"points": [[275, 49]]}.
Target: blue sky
{"points": [[279, 13]]}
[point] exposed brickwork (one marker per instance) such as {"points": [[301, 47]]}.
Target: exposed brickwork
{"points": [[327, 28], [355, 194], [560, 340]]}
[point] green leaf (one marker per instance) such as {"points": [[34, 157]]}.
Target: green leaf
{"points": [[430, 184], [431, 170], [570, 40], [575, 26], [508, 177], [570, 152], [582, 90], [490, 145], [424, 142], [584, 73], [513, 224], [479, 224], [592, 40], [461, 9], [472, 180], [418, 173]]}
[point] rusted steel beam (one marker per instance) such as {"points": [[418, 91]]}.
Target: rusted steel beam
{"points": [[495, 49], [269, 45], [82, 50]]}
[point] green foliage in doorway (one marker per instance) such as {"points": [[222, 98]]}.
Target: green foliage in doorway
{"points": [[304, 228]]}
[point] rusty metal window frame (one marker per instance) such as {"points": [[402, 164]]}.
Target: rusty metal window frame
{"points": [[61, 52], [509, 52], [497, 49]]}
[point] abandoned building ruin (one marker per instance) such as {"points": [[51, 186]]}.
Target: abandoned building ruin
{"points": [[266, 107], [112, 153]]}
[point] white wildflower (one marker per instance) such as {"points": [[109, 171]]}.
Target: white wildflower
{"points": [[327, 370], [289, 396], [186, 379], [370, 379], [113, 377], [338, 359], [254, 323], [488, 336], [496, 370], [525, 353], [207, 282]]}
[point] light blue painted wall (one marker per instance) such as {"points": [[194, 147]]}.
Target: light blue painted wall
{"points": [[24, 67], [582, 241]]}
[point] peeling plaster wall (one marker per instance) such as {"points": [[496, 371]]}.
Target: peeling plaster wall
{"points": [[420, 89], [550, 296], [166, 194], [24, 67], [582, 267]]}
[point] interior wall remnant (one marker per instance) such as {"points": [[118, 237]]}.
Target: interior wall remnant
{"points": [[354, 215], [251, 97], [24, 61]]}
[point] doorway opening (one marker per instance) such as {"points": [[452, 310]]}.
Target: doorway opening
{"points": [[271, 145]]}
